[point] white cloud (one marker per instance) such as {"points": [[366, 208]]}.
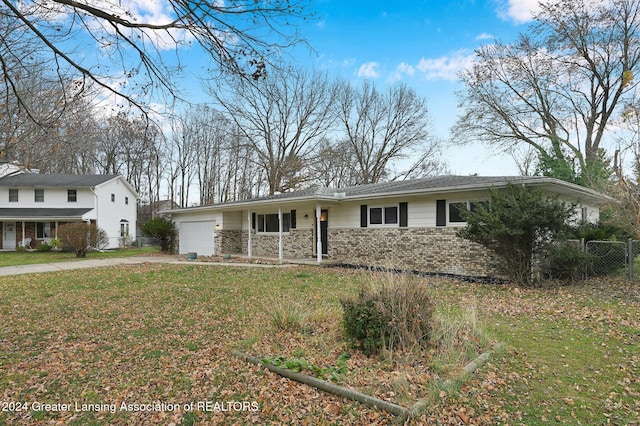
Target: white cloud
{"points": [[368, 70], [402, 70], [485, 36], [519, 11], [446, 67]]}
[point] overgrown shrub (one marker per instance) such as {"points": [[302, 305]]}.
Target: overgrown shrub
{"points": [[565, 262], [392, 311], [518, 224], [161, 229], [81, 237]]}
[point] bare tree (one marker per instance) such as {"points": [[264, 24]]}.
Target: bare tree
{"points": [[384, 128], [558, 88], [283, 117], [131, 40]]}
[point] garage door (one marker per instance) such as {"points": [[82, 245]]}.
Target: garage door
{"points": [[197, 237]]}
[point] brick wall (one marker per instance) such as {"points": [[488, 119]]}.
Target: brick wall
{"points": [[297, 244], [436, 250]]}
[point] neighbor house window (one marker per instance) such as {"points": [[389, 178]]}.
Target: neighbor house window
{"points": [[39, 195], [13, 195], [126, 200], [269, 222], [113, 198], [43, 230], [72, 195]]}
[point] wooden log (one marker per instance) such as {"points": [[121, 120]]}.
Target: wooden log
{"points": [[330, 387]]}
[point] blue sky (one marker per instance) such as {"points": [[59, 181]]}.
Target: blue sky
{"points": [[422, 43]]}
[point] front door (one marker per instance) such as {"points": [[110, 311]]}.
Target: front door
{"points": [[324, 230], [9, 233]]}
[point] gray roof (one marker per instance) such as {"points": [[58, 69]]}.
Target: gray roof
{"points": [[42, 213], [54, 180], [430, 185]]}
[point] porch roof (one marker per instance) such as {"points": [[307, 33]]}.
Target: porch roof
{"points": [[26, 214]]}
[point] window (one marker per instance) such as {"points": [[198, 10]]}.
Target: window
{"points": [[383, 215], [126, 200], [72, 195], [39, 195], [124, 230], [13, 195], [269, 222], [43, 230], [455, 210], [113, 198]]}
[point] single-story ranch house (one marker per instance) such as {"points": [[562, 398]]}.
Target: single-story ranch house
{"points": [[407, 225], [34, 205]]}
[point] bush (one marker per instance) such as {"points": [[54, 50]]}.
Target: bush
{"points": [[44, 247], [163, 230], [81, 237], [392, 312], [565, 262], [518, 224]]}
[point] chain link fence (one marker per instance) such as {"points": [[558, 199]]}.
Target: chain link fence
{"points": [[611, 258]]}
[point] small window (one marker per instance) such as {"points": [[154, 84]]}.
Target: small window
{"points": [[584, 214], [43, 230], [113, 198], [13, 195], [383, 215], [72, 195], [126, 200], [455, 210], [390, 215], [39, 195], [375, 216]]}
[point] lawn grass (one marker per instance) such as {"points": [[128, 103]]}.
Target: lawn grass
{"points": [[163, 334], [16, 258]]}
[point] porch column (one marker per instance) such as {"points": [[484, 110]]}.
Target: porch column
{"points": [[56, 237], [250, 228], [23, 234], [280, 234], [318, 234]]}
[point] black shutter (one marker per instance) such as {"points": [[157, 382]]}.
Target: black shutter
{"points": [[441, 212], [293, 219], [363, 216], [253, 221], [404, 219]]}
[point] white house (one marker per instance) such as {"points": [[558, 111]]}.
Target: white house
{"points": [[33, 206], [407, 224]]}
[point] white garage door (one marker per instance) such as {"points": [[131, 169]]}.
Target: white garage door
{"points": [[197, 237]]}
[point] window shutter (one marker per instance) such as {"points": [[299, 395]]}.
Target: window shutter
{"points": [[441, 212], [293, 219], [253, 221], [363, 216], [404, 219]]}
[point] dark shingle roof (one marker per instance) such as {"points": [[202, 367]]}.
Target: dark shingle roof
{"points": [[54, 180], [26, 213], [433, 185]]}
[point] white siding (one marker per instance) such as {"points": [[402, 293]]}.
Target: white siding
{"points": [[110, 213]]}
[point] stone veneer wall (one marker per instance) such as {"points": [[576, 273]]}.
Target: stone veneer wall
{"points": [[228, 242], [435, 250], [298, 243]]}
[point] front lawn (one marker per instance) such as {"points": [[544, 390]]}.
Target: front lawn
{"points": [[151, 344], [16, 258]]}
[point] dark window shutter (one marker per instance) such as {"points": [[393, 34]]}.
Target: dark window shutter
{"points": [[293, 219], [253, 221], [441, 212], [363, 216], [404, 216]]}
